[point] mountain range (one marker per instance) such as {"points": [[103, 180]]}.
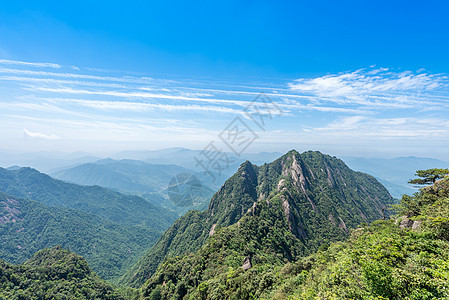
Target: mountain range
{"points": [[154, 182], [393, 173], [110, 229], [304, 200], [303, 226]]}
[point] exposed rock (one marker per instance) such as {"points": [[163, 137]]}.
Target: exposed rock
{"points": [[405, 222], [416, 225], [281, 184], [331, 218], [286, 208], [253, 208], [246, 263], [295, 225], [329, 176], [342, 224], [212, 230]]}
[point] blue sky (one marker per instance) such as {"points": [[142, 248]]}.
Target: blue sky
{"points": [[349, 78]]}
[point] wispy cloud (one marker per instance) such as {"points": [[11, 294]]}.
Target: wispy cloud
{"points": [[29, 64], [362, 127], [140, 106], [373, 87], [38, 135], [368, 104]]}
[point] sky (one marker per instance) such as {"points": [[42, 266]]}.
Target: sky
{"points": [[349, 78]]}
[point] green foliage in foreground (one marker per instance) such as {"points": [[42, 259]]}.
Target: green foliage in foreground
{"points": [[382, 261], [53, 274], [429, 176], [264, 237]]}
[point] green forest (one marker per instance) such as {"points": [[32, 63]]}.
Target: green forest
{"points": [[302, 227], [314, 197], [110, 230], [404, 257]]}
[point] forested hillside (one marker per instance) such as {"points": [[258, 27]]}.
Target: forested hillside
{"points": [[265, 241], [109, 229], [406, 257], [124, 209], [27, 226], [150, 181], [295, 204], [53, 274]]}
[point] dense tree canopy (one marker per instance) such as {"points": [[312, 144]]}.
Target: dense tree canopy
{"points": [[400, 258], [53, 274], [317, 196]]}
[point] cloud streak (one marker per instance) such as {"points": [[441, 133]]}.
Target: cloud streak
{"points": [[371, 103], [375, 87], [38, 135], [29, 64]]}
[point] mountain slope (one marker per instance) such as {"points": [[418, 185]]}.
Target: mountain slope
{"points": [[27, 226], [314, 197], [53, 274], [149, 181], [126, 175], [123, 209], [402, 258], [406, 257]]}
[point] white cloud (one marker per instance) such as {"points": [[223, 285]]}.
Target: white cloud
{"points": [[38, 135], [373, 87], [140, 106], [29, 64], [142, 80], [361, 127], [132, 94]]}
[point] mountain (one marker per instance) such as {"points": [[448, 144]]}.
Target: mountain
{"points": [[27, 226], [124, 175], [13, 168], [45, 161], [188, 158], [123, 209], [53, 274], [405, 257], [394, 173], [154, 182], [276, 212]]}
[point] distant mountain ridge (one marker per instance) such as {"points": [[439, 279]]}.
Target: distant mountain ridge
{"points": [[389, 171], [311, 197], [124, 209], [149, 181]]}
